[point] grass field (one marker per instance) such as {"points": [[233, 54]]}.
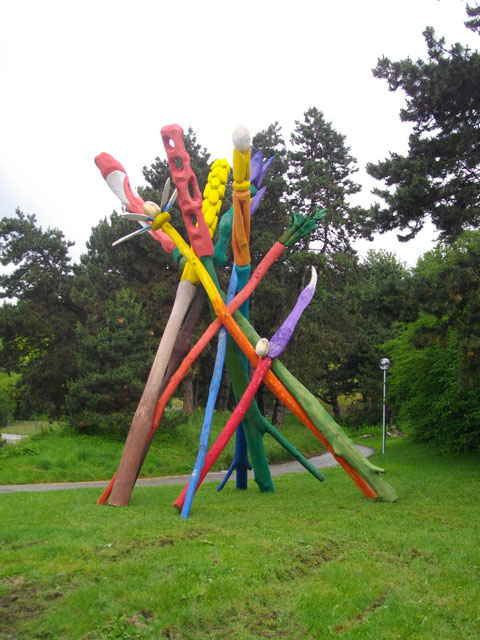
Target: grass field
{"points": [[315, 561], [59, 456]]}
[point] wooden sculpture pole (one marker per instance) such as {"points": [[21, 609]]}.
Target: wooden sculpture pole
{"points": [[258, 171], [212, 203], [142, 420], [366, 475]]}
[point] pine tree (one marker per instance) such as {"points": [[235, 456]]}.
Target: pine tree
{"points": [[440, 177], [272, 215], [113, 360], [37, 326], [268, 304], [140, 265], [320, 175]]}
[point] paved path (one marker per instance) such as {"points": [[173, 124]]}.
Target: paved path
{"points": [[11, 437], [321, 462]]}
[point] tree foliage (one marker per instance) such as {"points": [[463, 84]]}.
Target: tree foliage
{"points": [[320, 174], [8, 396], [38, 328], [425, 384], [140, 265], [41, 260], [447, 285], [377, 300], [267, 305], [334, 351], [113, 359], [439, 178], [436, 359]]}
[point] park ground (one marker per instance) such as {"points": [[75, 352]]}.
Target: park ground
{"points": [[316, 561]]}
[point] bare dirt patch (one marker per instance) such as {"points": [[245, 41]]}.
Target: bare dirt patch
{"points": [[22, 602], [362, 615]]}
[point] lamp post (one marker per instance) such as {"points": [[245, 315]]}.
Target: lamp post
{"points": [[384, 366]]}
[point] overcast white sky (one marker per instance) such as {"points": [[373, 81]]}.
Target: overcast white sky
{"points": [[81, 78]]}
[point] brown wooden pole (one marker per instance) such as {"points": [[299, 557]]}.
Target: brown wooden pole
{"points": [[142, 420]]}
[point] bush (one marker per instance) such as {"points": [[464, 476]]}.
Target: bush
{"points": [[359, 414], [3, 415], [8, 399], [96, 423], [434, 399], [113, 359]]}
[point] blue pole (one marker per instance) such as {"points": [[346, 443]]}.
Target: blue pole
{"points": [[212, 398]]}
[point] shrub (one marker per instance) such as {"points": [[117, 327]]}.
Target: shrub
{"points": [[434, 399], [8, 395], [113, 360]]}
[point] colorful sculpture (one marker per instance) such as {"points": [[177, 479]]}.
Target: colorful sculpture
{"points": [[236, 338]]}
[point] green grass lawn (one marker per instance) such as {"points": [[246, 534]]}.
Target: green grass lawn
{"points": [[315, 561], [60, 456]]}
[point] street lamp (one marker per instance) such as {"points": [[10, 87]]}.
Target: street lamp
{"points": [[384, 366]]}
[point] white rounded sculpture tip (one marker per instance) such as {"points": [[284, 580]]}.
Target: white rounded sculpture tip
{"points": [[263, 345], [151, 209], [241, 138]]}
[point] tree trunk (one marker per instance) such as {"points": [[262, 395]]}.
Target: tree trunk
{"points": [[188, 396], [225, 392], [391, 420], [196, 391], [337, 414], [260, 398], [278, 413]]}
